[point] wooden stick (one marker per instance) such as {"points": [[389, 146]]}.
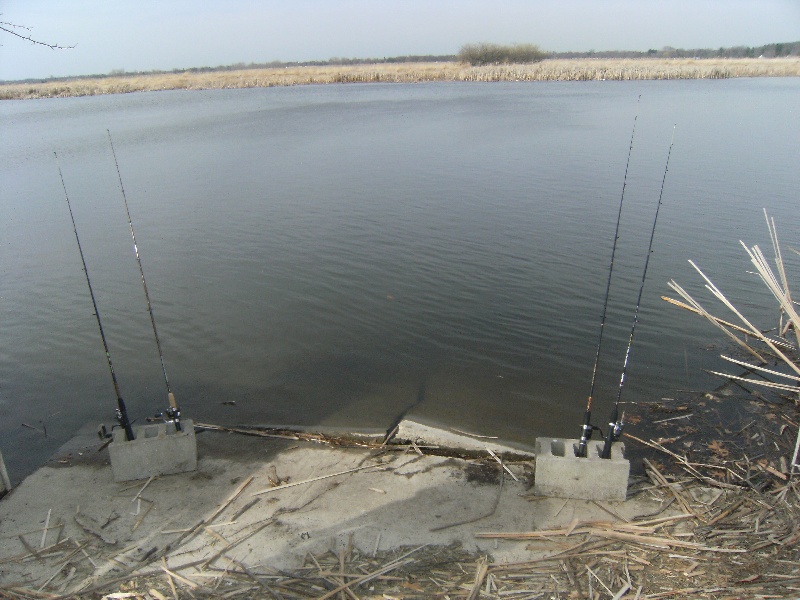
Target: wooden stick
{"points": [[82, 548], [180, 578], [136, 497], [475, 435], [169, 578], [144, 514], [46, 527], [505, 468], [480, 575], [253, 432], [660, 479], [232, 545], [245, 508], [233, 497], [321, 477]]}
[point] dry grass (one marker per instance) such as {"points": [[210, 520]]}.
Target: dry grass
{"points": [[549, 70]]}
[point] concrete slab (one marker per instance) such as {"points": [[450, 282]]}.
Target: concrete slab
{"points": [[560, 474]]}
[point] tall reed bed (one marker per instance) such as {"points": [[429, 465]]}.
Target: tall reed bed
{"points": [[781, 347], [548, 70]]}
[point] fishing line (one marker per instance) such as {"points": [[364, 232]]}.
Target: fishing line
{"points": [[122, 413], [588, 428], [615, 424], [173, 412]]}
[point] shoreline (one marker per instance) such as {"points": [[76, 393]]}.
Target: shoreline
{"points": [[548, 70], [267, 514]]}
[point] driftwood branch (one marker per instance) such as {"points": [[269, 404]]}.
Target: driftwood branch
{"points": [[14, 30]]}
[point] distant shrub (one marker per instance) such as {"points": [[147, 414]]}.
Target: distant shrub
{"points": [[493, 54]]}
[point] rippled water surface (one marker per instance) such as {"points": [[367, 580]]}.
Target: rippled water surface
{"points": [[338, 255]]}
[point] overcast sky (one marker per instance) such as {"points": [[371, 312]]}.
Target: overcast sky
{"points": [[141, 35]]}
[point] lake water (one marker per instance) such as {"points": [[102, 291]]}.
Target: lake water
{"points": [[333, 256]]}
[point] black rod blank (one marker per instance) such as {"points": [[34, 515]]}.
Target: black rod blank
{"points": [[122, 413]]}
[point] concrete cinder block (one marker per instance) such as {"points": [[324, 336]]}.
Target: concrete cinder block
{"points": [[559, 473], [157, 450]]}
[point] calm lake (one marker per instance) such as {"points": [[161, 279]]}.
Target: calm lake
{"points": [[336, 255]]}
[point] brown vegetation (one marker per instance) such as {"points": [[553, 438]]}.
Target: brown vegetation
{"points": [[548, 70]]}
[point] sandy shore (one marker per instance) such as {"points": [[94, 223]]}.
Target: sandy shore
{"points": [[230, 509], [548, 70], [270, 517]]}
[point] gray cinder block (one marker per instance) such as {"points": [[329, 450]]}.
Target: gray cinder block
{"points": [[559, 473], [157, 450]]}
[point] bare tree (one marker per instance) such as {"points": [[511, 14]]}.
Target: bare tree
{"points": [[24, 33]]}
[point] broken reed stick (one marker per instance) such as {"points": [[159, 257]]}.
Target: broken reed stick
{"points": [[719, 321], [46, 527], [742, 363], [169, 578], [321, 477], [685, 464], [233, 497], [245, 508], [82, 548], [661, 480], [505, 468], [144, 487], [480, 575], [755, 331], [369, 576], [647, 540], [61, 566], [144, 514], [781, 292], [232, 545], [702, 311], [254, 432], [769, 384], [475, 435]]}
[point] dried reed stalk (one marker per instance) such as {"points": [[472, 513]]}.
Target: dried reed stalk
{"points": [[778, 285]]}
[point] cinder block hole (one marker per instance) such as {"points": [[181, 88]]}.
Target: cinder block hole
{"points": [[599, 449], [151, 432], [557, 447]]}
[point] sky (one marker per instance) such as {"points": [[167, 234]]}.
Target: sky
{"points": [[144, 35]]}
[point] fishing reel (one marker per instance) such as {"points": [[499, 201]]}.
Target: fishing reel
{"points": [[614, 433], [170, 415], [102, 431], [587, 429], [616, 428]]}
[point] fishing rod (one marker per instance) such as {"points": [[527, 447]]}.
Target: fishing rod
{"points": [[615, 424], [122, 412], [173, 412], [587, 429]]}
